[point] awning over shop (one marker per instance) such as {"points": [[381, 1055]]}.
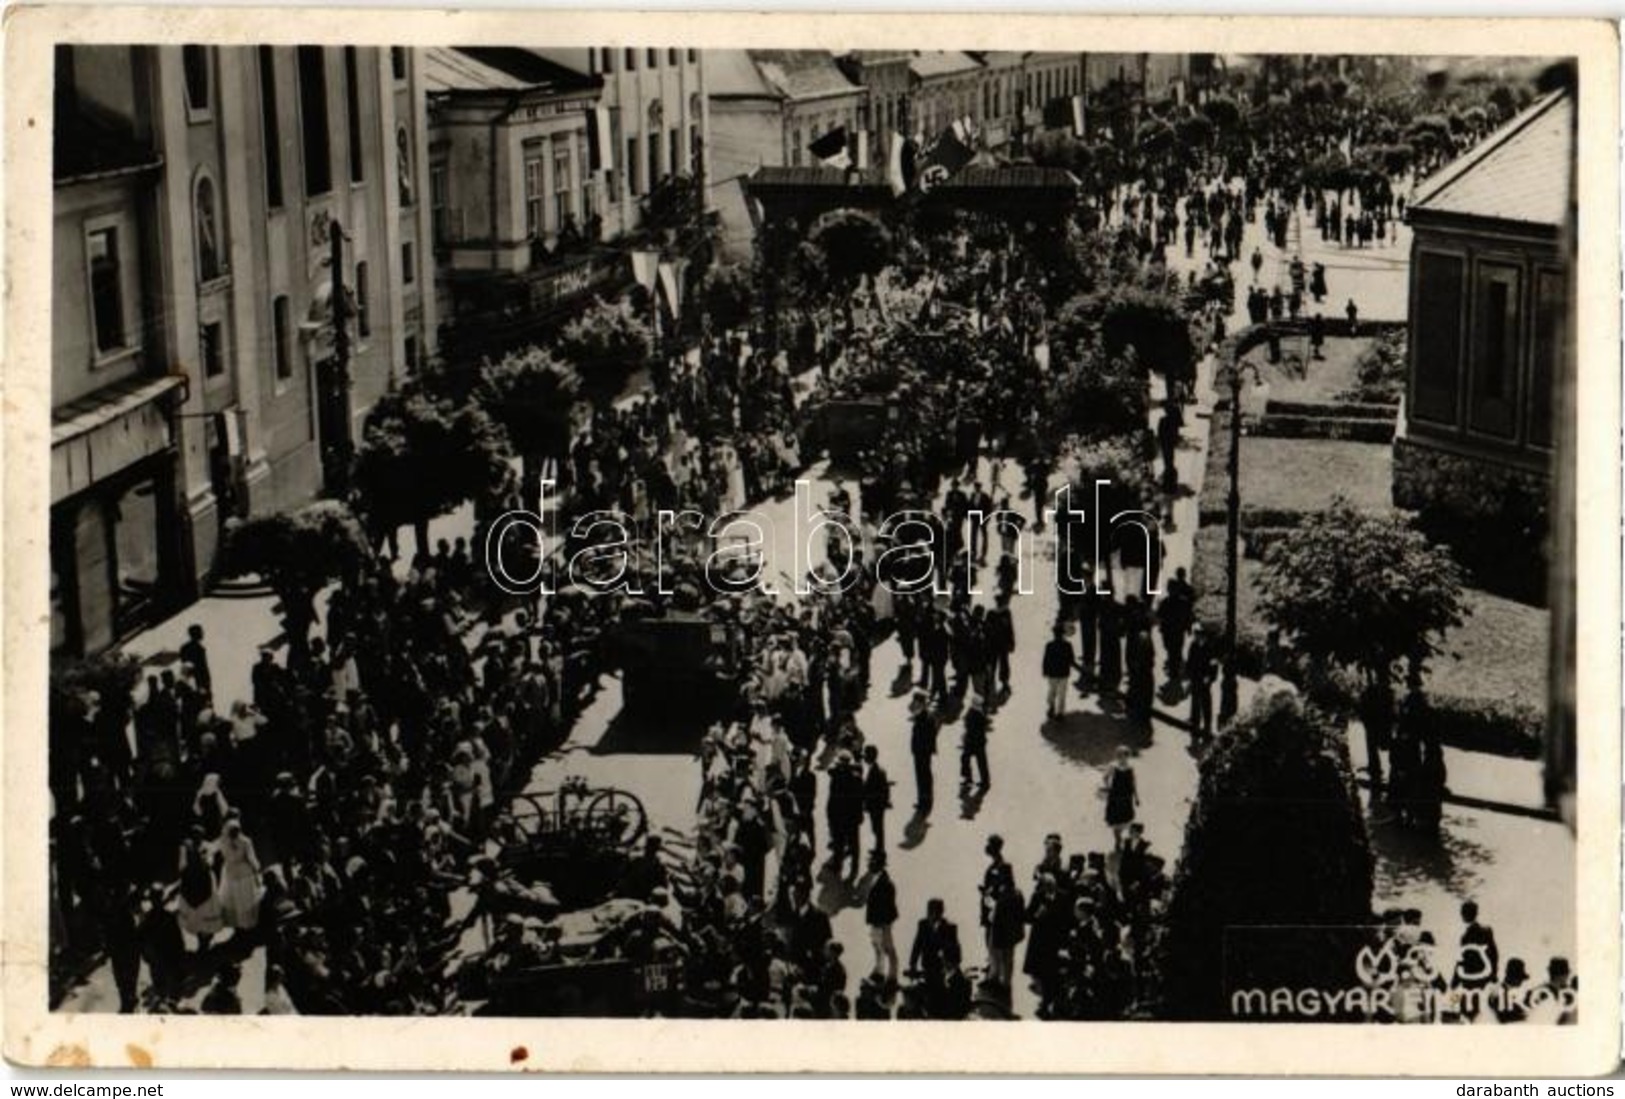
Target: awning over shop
{"points": [[96, 436]]}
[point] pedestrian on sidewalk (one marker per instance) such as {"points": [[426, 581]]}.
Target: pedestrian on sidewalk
{"points": [[923, 731], [973, 746], [1317, 336], [1352, 311], [880, 915], [876, 795], [1122, 795], [1199, 672], [1174, 617], [1058, 665]]}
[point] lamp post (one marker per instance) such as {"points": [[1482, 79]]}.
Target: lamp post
{"points": [[1232, 541]]}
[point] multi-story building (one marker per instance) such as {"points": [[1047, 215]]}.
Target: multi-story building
{"points": [[658, 119], [766, 107], [1489, 302], [516, 194], [195, 370]]}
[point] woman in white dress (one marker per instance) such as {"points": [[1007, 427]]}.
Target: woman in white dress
{"points": [[239, 878]]}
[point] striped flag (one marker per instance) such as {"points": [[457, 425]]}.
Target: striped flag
{"points": [[1079, 118], [832, 149], [863, 150], [895, 176]]}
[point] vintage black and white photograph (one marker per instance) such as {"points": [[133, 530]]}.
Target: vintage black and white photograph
{"points": [[643, 531]]}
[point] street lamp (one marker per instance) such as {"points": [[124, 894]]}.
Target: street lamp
{"points": [[1232, 540]]}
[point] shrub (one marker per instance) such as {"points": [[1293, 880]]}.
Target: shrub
{"points": [[1275, 839]]}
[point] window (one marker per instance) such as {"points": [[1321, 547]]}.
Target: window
{"points": [[411, 352], [1437, 336], [409, 273], [437, 203], [213, 349], [1497, 343], [693, 56], [651, 58], [397, 62], [675, 140], [795, 148], [270, 129], [1551, 311], [363, 318], [106, 289], [281, 332], [206, 227], [632, 166], [563, 198], [403, 166], [313, 125], [672, 58], [631, 61], [606, 61], [534, 195], [352, 111], [195, 68]]}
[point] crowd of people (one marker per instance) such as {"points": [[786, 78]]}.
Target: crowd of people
{"points": [[334, 818]]}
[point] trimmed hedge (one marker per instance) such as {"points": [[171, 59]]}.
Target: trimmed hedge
{"points": [[1345, 428], [1348, 410]]}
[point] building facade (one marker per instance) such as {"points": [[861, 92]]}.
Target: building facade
{"points": [[1489, 298], [766, 107], [658, 119], [195, 374]]}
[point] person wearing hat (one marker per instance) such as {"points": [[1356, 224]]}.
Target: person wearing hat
{"points": [[844, 812], [924, 728], [1200, 669]]}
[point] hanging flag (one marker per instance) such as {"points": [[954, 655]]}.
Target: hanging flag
{"points": [[644, 268], [863, 150], [1179, 93], [600, 151], [831, 149], [945, 157], [671, 280], [1079, 118], [894, 165]]}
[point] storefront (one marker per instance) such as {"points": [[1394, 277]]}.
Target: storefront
{"points": [[116, 530]]}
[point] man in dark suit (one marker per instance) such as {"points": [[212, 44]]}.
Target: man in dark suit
{"points": [[876, 795], [923, 746], [1478, 964], [879, 914], [936, 945], [1000, 636], [1200, 669], [810, 931]]}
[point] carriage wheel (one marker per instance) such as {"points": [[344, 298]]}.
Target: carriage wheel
{"points": [[620, 815]]}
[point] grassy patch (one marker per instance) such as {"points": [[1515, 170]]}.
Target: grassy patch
{"points": [[1295, 475]]}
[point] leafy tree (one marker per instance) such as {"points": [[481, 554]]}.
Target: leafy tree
{"points": [[297, 553], [1225, 113], [1147, 316], [1095, 396], [420, 457], [606, 344], [1195, 132], [1276, 842], [854, 244], [1363, 593], [531, 394], [728, 294]]}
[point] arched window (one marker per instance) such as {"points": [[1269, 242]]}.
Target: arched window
{"points": [[206, 224]]}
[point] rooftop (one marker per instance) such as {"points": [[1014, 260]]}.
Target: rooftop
{"points": [[943, 63], [776, 74], [1520, 173], [498, 69]]}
